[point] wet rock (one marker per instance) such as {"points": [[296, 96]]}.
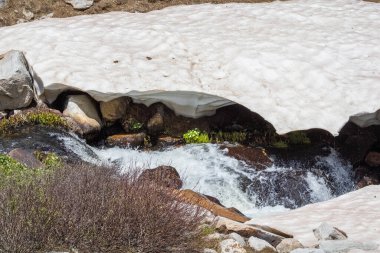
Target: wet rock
{"points": [[25, 157], [332, 246], [155, 124], [126, 140], [231, 246], [165, 176], [272, 236], [373, 159], [287, 245], [114, 110], [260, 246], [327, 232], [198, 199], [255, 157], [82, 109], [168, 141], [80, 4], [135, 118], [16, 83], [237, 238]]}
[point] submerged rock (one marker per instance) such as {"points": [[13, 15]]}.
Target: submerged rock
{"points": [[16, 83], [327, 232], [80, 4], [165, 176]]}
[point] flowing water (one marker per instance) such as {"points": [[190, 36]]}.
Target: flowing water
{"points": [[208, 169]]}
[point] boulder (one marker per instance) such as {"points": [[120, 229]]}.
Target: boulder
{"points": [[260, 246], [28, 14], [308, 250], [155, 124], [165, 176], [373, 159], [332, 246], [237, 238], [126, 140], [25, 157], [255, 157], [272, 236], [114, 110], [287, 245], [327, 232], [231, 246], [16, 83], [83, 110], [168, 141], [215, 236], [209, 251], [80, 4], [198, 199]]}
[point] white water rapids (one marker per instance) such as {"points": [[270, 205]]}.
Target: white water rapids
{"points": [[208, 169]]}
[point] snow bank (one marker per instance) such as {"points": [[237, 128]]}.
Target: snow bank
{"points": [[299, 64], [356, 213]]}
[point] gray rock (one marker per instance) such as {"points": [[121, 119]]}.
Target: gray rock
{"points": [[2, 3], [231, 246], [332, 246], [28, 14], [237, 238], [82, 109], [80, 4], [3, 115], [25, 157], [327, 232], [287, 245], [209, 251], [308, 250], [260, 246], [215, 236], [16, 83]]}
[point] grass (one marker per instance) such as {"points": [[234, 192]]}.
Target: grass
{"points": [[232, 137], [298, 138], [43, 118], [196, 136]]}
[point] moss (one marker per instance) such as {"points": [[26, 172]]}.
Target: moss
{"points": [[280, 144], [196, 136], [207, 230], [233, 137], [43, 118], [298, 138], [50, 160]]}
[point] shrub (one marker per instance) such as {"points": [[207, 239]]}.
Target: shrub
{"points": [[196, 136], [44, 118], [233, 137], [49, 159], [280, 144], [94, 209]]}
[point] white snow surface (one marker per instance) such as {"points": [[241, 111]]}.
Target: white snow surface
{"points": [[300, 64], [356, 213]]}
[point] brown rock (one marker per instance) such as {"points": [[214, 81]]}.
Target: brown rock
{"points": [[126, 140], [114, 109], [287, 245], [155, 124], [373, 159], [255, 157], [165, 176], [25, 157], [168, 141], [198, 199]]}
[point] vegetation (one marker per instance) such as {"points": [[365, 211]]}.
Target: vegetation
{"points": [[280, 144], [298, 138], [196, 136], [49, 159], [44, 118], [91, 209], [232, 137]]}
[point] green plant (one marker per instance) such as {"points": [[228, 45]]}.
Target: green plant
{"points": [[280, 144], [233, 137], [44, 118], [298, 137], [196, 136], [207, 230], [50, 160]]}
